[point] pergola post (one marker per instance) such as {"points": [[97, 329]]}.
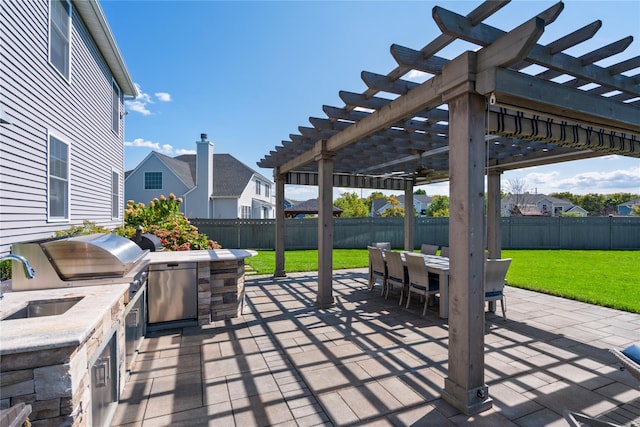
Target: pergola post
{"points": [[465, 388], [409, 219], [325, 230], [494, 228], [279, 232]]}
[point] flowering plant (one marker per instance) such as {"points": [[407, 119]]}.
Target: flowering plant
{"points": [[162, 218]]}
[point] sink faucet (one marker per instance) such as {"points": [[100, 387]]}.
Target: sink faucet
{"points": [[28, 270]]}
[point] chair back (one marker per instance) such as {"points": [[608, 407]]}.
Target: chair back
{"points": [[495, 271], [395, 268], [376, 261], [428, 249], [385, 246], [418, 274], [444, 251]]}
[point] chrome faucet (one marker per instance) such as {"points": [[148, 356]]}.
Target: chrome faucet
{"points": [[28, 270]]}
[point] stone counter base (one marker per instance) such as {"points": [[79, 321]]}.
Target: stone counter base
{"points": [[220, 290]]}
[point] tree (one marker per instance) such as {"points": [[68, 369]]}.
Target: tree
{"points": [[635, 210], [395, 210], [439, 206], [352, 206], [519, 195], [420, 191], [376, 195]]}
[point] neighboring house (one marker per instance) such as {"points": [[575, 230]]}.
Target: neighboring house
{"points": [[537, 205], [210, 185], [420, 202], [626, 208], [61, 119], [306, 208]]}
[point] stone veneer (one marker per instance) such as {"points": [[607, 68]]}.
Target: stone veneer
{"points": [[56, 382], [220, 290]]}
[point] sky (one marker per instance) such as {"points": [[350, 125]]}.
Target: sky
{"points": [[249, 73]]}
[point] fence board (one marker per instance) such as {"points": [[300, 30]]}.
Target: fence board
{"points": [[517, 232]]}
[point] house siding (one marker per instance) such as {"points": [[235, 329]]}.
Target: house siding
{"points": [[39, 100], [170, 183]]}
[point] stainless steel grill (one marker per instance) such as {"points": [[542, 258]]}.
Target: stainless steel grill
{"points": [[95, 259]]}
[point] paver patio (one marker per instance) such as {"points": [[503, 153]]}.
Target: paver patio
{"points": [[368, 361]]}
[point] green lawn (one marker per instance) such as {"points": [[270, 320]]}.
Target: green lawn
{"points": [[606, 278]]}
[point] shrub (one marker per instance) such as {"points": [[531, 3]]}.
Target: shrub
{"points": [[162, 218], [87, 227]]}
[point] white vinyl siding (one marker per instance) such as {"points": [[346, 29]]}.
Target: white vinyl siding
{"points": [[115, 109], [115, 194], [59, 36], [79, 112], [153, 180], [58, 193]]}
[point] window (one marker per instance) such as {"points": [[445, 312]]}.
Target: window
{"points": [[115, 194], [257, 187], [153, 180], [59, 35], [115, 109], [58, 179], [267, 190], [246, 211]]}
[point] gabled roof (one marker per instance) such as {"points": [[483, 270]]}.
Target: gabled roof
{"points": [[308, 207], [230, 175], [630, 203], [535, 198]]}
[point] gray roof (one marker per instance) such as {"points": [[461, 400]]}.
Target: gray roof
{"points": [[230, 175], [308, 206], [533, 198]]}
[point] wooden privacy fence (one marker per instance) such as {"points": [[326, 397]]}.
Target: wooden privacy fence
{"points": [[357, 233]]}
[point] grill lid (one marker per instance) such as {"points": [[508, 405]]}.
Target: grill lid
{"points": [[92, 256]]}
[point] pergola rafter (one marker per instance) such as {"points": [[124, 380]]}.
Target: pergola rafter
{"points": [[474, 116]]}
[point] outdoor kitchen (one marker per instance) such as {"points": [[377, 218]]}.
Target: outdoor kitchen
{"points": [[69, 336]]}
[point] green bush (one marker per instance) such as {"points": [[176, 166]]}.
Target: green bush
{"points": [[162, 218], [87, 227]]}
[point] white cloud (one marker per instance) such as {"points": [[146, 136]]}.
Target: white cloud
{"points": [[181, 151], [416, 75], [139, 142], [143, 100], [622, 180], [163, 96]]}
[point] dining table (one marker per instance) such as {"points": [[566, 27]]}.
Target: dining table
{"points": [[438, 265]]}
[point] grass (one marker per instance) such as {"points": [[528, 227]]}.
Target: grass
{"points": [[605, 278]]}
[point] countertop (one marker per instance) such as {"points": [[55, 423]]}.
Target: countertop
{"points": [[70, 328], [199, 256]]}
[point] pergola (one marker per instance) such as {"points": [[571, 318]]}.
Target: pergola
{"points": [[478, 114]]}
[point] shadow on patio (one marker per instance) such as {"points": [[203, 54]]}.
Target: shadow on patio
{"points": [[368, 361]]}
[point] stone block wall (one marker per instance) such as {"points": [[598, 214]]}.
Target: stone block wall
{"points": [[220, 290], [55, 382]]}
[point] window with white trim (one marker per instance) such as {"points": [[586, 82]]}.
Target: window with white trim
{"points": [[153, 180], [60, 36], [58, 195], [246, 212], [267, 190], [115, 109], [115, 195], [257, 187]]}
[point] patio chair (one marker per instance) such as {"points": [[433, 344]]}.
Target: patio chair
{"points": [[629, 358], [428, 249], [396, 275], [495, 271], [419, 281], [444, 251], [385, 246], [377, 268]]}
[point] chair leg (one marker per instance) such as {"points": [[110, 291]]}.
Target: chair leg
{"points": [[384, 286], [424, 309], [408, 297], [503, 305], [401, 296]]}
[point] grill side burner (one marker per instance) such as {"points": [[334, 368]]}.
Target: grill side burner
{"points": [[95, 259]]}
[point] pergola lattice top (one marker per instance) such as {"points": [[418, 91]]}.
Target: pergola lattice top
{"points": [[532, 119]]}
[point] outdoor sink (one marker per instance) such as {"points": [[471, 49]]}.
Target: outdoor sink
{"points": [[44, 308]]}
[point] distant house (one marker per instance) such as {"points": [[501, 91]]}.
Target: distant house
{"points": [[421, 203], [626, 208], [61, 119], [308, 207], [211, 185], [538, 205]]}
